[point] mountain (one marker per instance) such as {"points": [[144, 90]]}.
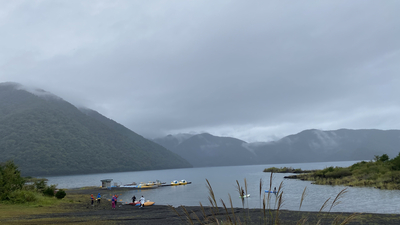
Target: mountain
{"points": [[338, 145], [208, 150], [46, 135], [306, 146], [172, 141]]}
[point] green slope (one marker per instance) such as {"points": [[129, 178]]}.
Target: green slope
{"points": [[46, 135]]}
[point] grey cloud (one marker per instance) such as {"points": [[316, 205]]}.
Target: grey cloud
{"points": [[254, 70]]}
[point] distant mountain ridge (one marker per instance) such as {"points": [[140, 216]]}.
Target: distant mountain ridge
{"points": [[46, 135], [307, 146]]}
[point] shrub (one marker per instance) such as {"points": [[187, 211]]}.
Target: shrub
{"points": [[271, 169], [40, 184], [49, 190], [338, 173], [22, 196], [60, 194]]}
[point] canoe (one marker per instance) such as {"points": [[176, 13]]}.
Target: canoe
{"points": [[135, 203], [245, 196], [266, 191], [148, 203]]}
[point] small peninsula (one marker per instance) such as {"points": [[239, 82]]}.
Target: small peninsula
{"points": [[381, 172]]}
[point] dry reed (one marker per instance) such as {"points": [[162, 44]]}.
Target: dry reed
{"points": [[228, 218], [303, 196], [189, 219], [338, 197], [274, 218]]}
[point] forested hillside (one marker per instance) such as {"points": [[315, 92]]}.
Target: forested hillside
{"points": [[307, 146], [46, 135], [208, 150]]}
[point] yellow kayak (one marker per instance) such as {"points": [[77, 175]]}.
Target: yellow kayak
{"points": [[148, 203]]}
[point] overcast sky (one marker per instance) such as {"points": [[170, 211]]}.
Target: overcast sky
{"points": [[254, 70]]}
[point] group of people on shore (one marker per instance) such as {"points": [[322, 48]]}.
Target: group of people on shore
{"points": [[114, 200], [141, 200], [93, 199]]}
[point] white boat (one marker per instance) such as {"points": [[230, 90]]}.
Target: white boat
{"points": [[245, 196]]}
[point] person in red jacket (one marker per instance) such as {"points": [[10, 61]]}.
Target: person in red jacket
{"points": [[92, 198], [116, 200]]}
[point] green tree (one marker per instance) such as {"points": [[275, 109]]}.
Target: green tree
{"points": [[10, 179], [384, 158], [396, 162]]}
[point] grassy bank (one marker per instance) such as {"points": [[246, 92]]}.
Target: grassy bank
{"points": [[382, 172], [42, 206]]}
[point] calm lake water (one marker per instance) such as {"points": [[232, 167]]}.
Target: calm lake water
{"points": [[223, 182]]}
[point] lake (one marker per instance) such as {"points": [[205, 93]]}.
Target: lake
{"points": [[223, 183]]}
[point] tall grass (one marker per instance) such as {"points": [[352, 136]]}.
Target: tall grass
{"points": [[303, 196], [269, 215]]}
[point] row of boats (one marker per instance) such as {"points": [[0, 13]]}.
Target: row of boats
{"points": [[181, 182], [156, 184]]}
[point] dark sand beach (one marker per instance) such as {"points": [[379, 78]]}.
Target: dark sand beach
{"points": [[82, 212]]}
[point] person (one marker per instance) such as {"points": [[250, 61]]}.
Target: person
{"points": [[274, 189], [133, 199], [142, 202], [98, 198], [116, 199], [92, 198], [113, 202]]}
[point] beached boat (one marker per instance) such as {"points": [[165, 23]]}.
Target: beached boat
{"points": [[147, 203]]}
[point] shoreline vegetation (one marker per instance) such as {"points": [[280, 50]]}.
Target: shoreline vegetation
{"points": [[286, 170], [381, 172]]}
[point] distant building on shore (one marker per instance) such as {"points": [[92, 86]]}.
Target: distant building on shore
{"points": [[106, 183]]}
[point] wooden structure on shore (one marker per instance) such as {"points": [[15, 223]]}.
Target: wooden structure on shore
{"points": [[106, 183]]}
